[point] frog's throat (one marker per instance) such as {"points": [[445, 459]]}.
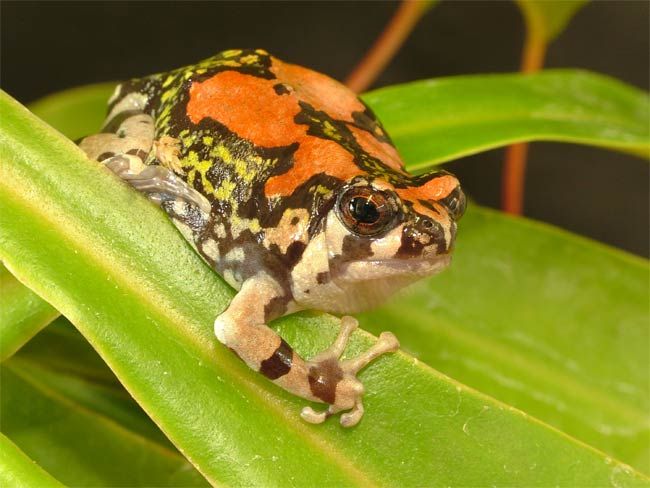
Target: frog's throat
{"points": [[407, 270]]}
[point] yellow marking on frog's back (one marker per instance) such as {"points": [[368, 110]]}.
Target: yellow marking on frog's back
{"points": [[250, 59], [331, 131], [224, 192], [247, 169], [194, 166]]}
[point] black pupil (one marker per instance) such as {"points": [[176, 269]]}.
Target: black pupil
{"points": [[363, 210]]}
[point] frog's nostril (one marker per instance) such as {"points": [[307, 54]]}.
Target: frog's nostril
{"points": [[427, 224]]}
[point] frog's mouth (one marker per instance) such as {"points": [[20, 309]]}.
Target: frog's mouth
{"points": [[401, 270], [365, 284]]}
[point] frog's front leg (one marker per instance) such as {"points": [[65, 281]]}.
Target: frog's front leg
{"points": [[324, 378]]}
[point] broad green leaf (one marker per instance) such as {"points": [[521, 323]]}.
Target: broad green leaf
{"points": [[115, 266], [22, 314], [78, 373], [434, 121], [16, 469], [80, 425], [76, 112], [546, 19], [550, 323]]}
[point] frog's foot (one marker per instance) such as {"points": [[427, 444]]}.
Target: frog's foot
{"points": [[158, 182], [335, 382]]}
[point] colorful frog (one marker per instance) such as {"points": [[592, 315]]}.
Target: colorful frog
{"points": [[289, 187]]}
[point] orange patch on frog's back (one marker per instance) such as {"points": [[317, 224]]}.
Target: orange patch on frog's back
{"points": [[250, 107], [318, 90], [314, 156], [339, 102]]}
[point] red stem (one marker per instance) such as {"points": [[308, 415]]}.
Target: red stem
{"points": [[514, 168], [386, 45]]}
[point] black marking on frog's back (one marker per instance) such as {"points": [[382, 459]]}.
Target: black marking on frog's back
{"points": [[369, 122], [320, 124], [281, 89]]}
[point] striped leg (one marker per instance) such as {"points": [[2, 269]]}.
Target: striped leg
{"points": [[322, 379]]}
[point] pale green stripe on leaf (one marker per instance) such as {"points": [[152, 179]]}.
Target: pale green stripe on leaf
{"points": [[16, 469], [22, 314], [86, 433]]}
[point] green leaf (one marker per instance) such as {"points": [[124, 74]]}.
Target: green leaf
{"points": [[546, 19], [76, 112], [116, 267], [434, 121], [16, 469], [550, 323], [22, 314], [70, 414]]}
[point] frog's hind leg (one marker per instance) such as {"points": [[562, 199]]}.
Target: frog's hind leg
{"points": [[133, 136], [160, 184], [124, 152]]}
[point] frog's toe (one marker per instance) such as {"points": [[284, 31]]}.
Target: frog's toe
{"points": [[387, 342], [313, 417], [334, 381], [352, 418]]}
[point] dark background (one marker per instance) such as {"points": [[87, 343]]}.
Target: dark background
{"points": [[49, 46]]}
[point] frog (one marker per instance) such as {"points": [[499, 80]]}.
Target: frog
{"points": [[287, 184]]}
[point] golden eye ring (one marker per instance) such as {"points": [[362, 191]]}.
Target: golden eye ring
{"points": [[366, 211]]}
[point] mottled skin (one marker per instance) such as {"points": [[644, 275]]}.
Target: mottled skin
{"points": [[288, 185]]}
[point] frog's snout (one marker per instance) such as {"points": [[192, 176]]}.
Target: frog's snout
{"points": [[426, 238]]}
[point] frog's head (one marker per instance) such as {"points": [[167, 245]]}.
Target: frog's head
{"points": [[381, 236]]}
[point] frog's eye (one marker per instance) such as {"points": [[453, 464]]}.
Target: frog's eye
{"points": [[366, 211], [455, 203]]}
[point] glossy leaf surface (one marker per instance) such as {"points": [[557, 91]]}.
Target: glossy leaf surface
{"points": [[16, 469], [434, 121], [22, 314], [76, 112], [143, 298], [65, 408]]}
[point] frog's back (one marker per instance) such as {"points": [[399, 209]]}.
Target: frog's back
{"points": [[244, 119]]}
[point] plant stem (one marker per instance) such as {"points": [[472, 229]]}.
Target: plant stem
{"points": [[514, 169], [387, 44]]}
